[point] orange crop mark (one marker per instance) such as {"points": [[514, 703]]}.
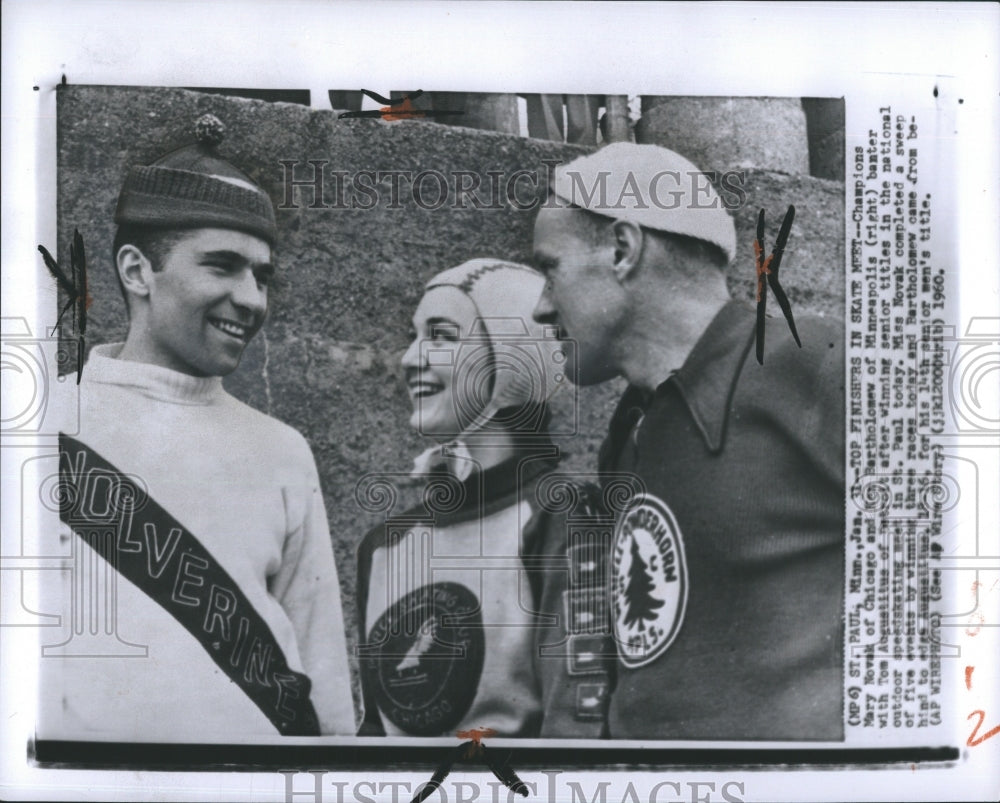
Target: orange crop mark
{"points": [[968, 677], [475, 737], [401, 111], [74, 285], [476, 734], [763, 268], [973, 741]]}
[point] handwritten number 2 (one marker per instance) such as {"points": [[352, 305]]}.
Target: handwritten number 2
{"points": [[973, 741]]}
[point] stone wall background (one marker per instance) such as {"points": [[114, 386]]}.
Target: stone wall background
{"points": [[327, 360]]}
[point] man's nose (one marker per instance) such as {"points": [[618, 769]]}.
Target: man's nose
{"points": [[249, 294], [544, 311]]}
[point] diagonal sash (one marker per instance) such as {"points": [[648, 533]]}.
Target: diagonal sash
{"points": [[168, 563]]}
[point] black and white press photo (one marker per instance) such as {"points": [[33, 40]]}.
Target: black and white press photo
{"points": [[305, 326], [592, 402]]}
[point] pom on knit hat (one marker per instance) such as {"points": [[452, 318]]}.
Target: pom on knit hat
{"points": [[209, 129], [193, 187]]}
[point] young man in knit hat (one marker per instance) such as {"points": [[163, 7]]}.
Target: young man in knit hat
{"points": [[202, 516], [726, 571]]}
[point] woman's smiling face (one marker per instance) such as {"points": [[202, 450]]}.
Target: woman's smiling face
{"points": [[447, 374]]}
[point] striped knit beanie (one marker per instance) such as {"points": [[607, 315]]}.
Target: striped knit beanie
{"points": [[192, 187]]}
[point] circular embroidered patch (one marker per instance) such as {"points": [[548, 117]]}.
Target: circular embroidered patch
{"points": [[427, 658], [649, 580]]}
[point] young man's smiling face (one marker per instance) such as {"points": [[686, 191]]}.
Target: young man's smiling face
{"points": [[206, 302]]}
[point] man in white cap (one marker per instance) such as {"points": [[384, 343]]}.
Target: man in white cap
{"points": [[196, 523], [726, 572]]}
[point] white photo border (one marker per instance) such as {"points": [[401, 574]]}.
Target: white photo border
{"points": [[714, 49]]}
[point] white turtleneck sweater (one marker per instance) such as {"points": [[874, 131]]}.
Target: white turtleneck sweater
{"points": [[245, 485]]}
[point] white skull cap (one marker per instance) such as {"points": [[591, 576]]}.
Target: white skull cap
{"points": [[528, 365], [649, 185]]}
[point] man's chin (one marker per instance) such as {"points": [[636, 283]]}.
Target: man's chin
{"points": [[583, 377], [223, 367]]}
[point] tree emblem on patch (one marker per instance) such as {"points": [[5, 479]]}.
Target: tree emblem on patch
{"points": [[640, 604], [650, 580]]}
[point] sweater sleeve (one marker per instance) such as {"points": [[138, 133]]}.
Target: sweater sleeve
{"points": [[547, 542], [371, 722], [307, 588]]}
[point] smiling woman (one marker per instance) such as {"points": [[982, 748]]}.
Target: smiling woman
{"points": [[452, 647], [446, 328]]}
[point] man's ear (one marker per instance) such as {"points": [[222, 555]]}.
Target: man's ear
{"points": [[134, 269], [629, 240]]}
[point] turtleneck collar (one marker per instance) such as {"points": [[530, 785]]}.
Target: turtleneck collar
{"points": [[104, 367], [449, 500]]}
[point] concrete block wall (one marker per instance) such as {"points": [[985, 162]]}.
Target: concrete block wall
{"points": [[767, 143], [719, 133]]}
